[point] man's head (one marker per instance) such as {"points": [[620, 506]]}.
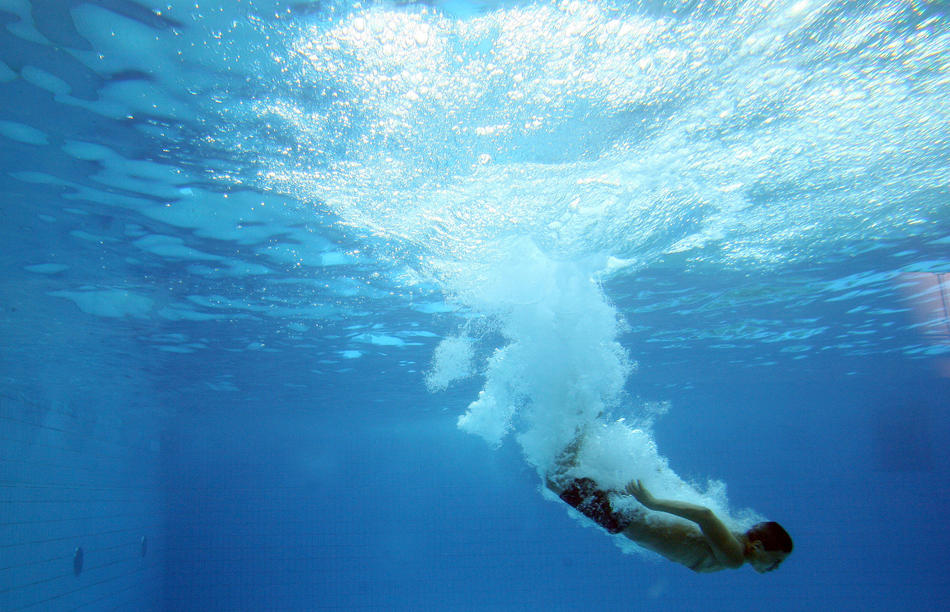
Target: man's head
{"points": [[768, 545]]}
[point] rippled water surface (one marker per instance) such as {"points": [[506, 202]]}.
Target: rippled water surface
{"points": [[362, 231]]}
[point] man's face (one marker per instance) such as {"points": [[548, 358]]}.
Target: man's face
{"points": [[763, 560]]}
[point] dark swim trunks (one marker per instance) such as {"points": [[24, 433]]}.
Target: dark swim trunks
{"points": [[586, 498]]}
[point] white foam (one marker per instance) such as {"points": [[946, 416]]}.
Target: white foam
{"points": [[452, 360], [561, 374], [562, 365]]}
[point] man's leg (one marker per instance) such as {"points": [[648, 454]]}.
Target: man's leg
{"points": [[557, 480]]}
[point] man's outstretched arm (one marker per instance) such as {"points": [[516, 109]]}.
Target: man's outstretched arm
{"points": [[727, 548]]}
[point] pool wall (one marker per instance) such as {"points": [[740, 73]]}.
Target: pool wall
{"points": [[79, 490]]}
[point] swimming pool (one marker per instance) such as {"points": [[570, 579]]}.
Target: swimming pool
{"points": [[303, 302]]}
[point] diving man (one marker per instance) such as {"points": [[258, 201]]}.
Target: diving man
{"points": [[703, 545]]}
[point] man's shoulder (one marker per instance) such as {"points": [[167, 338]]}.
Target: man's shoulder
{"points": [[675, 540]]}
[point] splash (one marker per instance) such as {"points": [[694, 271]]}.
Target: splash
{"points": [[561, 373], [519, 156], [451, 361], [562, 366]]}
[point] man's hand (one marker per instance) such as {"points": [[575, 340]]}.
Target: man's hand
{"points": [[727, 548], [636, 488]]}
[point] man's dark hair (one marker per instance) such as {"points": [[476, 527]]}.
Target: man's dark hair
{"points": [[772, 535]]}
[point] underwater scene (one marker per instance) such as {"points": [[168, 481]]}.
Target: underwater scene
{"points": [[474, 305]]}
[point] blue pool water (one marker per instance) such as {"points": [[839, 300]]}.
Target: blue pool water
{"points": [[312, 295]]}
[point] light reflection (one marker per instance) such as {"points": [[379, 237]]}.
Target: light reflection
{"points": [[929, 296], [750, 128]]}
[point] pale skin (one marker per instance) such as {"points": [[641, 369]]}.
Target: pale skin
{"points": [[730, 550], [711, 547]]}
